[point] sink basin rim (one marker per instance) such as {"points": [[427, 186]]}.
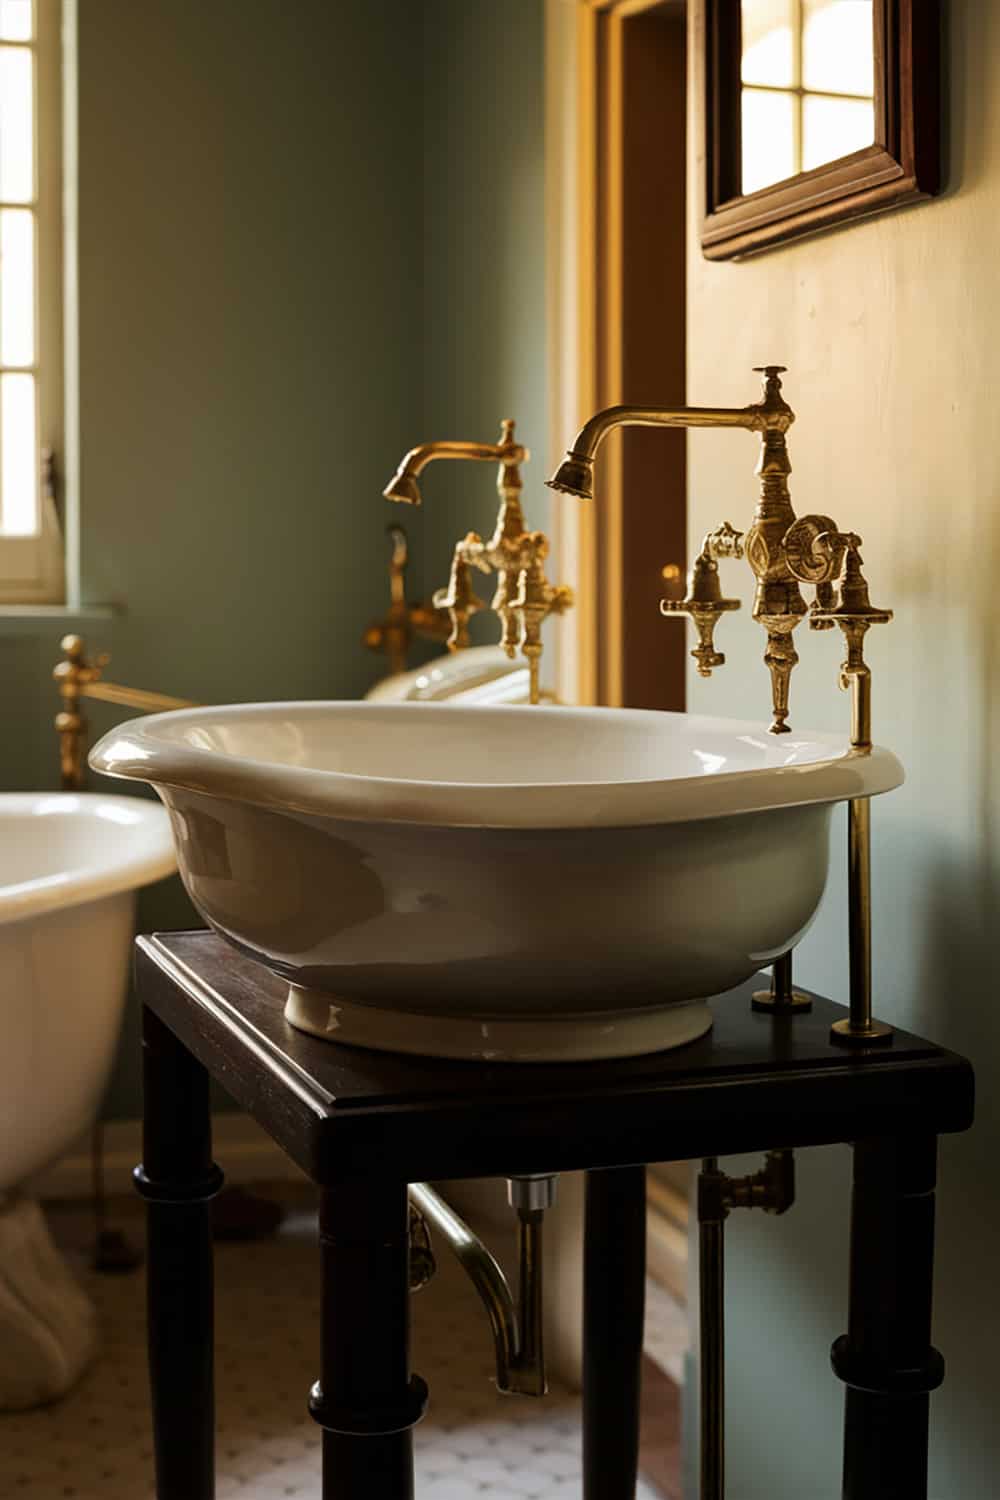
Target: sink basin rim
{"points": [[138, 749]]}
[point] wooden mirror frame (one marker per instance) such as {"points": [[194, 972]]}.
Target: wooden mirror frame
{"points": [[902, 166]]}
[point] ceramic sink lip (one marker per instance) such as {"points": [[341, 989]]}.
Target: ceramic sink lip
{"points": [[107, 869], [137, 750]]}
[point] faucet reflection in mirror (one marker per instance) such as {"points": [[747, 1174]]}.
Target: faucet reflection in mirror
{"points": [[523, 598], [784, 552], [394, 634]]}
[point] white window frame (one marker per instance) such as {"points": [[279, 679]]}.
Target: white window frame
{"points": [[32, 568]]}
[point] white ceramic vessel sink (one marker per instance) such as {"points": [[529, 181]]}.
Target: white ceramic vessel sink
{"points": [[507, 882]]}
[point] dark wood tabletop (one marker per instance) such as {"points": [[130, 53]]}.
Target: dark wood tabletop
{"points": [[754, 1082]]}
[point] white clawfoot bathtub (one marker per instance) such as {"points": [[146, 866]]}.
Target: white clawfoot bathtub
{"points": [[69, 868]]}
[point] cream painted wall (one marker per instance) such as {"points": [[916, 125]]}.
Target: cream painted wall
{"points": [[891, 332]]}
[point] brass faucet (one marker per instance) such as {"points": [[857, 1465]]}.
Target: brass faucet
{"points": [[523, 598], [394, 633], [784, 551]]}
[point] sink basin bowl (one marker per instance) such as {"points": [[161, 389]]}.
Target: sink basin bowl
{"points": [[504, 882]]}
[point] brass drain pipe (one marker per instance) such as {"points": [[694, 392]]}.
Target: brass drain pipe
{"points": [[516, 1327], [773, 1190]]}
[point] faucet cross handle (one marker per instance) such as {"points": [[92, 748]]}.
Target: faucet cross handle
{"points": [[854, 604], [771, 383], [704, 603], [854, 614], [460, 600], [725, 541]]}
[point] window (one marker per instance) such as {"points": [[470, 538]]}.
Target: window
{"points": [[31, 364], [808, 88]]}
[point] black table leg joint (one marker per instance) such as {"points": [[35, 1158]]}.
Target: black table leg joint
{"points": [[371, 1421], [862, 1373], [201, 1189], [177, 1179], [886, 1359]]}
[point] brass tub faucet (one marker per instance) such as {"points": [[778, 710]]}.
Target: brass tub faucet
{"points": [[523, 597], [784, 551], [395, 633]]}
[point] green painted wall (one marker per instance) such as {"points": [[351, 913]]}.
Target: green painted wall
{"points": [[249, 349], [310, 236], [890, 330], [249, 333], [484, 256]]}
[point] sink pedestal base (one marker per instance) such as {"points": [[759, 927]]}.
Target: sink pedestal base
{"points": [[569, 1038]]}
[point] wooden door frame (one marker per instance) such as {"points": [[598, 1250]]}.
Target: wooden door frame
{"points": [[586, 236]]}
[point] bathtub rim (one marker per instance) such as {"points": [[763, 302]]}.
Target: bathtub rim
{"points": [[147, 857]]}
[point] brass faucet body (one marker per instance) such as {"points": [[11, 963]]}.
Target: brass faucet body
{"points": [[523, 597], [784, 551]]}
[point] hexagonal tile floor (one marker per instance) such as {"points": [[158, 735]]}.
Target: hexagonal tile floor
{"points": [[473, 1444]]}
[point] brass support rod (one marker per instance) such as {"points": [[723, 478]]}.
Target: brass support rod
{"points": [[860, 1029], [782, 998], [534, 686], [861, 710], [859, 881]]}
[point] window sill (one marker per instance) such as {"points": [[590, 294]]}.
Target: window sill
{"points": [[24, 619]]}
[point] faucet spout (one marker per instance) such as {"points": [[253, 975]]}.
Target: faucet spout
{"points": [[575, 475], [777, 565], [403, 485]]}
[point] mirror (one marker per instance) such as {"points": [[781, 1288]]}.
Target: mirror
{"points": [[816, 111], [807, 85]]}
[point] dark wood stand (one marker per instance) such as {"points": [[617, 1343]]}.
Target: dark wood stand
{"points": [[363, 1125]]}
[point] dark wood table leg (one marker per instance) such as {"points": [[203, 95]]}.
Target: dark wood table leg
{"points": [[614, 1304], [886, 1358], [366, 1400], [178, 1179]]}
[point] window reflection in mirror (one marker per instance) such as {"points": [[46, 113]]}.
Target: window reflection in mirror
{"points": [[807, 71]]}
